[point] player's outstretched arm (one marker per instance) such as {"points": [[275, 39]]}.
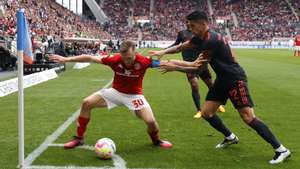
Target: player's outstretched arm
{"points": [[171, 50], [183, 63], [197, 63], [79, 58], [182, 66]]}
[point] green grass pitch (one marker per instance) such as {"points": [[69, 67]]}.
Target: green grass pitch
{"points": [[274, 81]]}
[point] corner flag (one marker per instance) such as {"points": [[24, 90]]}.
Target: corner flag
{"points": [[23, 50], [23, 37]]}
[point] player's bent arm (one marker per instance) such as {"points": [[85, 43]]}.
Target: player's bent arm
{"points": [[177, 42], [178, 48], [172, 50]]}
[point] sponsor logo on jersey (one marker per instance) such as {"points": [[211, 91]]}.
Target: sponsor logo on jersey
{"points": [[127, 72]]}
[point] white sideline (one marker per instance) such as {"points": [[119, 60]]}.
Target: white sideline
{"points": [[117, 160], [50, 139], [86, 147], [65, 167], [78, 167], [81, 65]]}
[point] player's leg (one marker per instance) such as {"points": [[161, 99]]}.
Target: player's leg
{"points": [[242, 101], [248, 116], [216, 96], [206, 77], [147, 116], [90, 102], [193, 81], [209, 114], [139, 105]]}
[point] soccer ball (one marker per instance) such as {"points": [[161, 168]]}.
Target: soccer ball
{"points": [[105, 148]]}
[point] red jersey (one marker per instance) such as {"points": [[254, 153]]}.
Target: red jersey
{"points": [[297, 40], [128, 80]]}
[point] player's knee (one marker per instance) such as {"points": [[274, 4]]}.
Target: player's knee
{"points": [[194, 85], [206, 114], [247, 114], [86, 104], [247, 117]]}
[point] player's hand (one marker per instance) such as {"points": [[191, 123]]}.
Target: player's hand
{"points": [[200, 61], [159, 54], [57, 58], [167, 67]]}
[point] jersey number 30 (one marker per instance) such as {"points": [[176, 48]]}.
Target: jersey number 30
{"points": [[137, 103]]}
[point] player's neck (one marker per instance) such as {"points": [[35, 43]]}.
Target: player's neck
{"points": [[129, 65], [205, 33]]}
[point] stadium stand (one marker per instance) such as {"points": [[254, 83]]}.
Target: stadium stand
{"points": [[45, 18], [256, 20], [167, 18], [263, 20]]}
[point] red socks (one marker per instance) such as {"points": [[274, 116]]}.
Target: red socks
{"points": [[81, 126], [154, 135]]}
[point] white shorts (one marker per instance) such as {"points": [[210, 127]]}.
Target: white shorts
{"points": [[114, 98], [297, 48]]}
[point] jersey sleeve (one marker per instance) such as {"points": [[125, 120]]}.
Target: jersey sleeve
{"points": [[179, 40], [147, 62], [109, 60]]}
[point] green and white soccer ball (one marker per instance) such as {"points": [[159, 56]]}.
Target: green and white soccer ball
{"points": [[105, 148]]}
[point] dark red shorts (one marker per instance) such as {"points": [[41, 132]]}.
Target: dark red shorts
{"points": [[236, 91]]}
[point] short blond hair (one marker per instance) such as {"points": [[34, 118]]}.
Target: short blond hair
{"points": [[126, 45]]}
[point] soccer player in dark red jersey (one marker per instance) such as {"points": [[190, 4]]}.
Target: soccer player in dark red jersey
{"points": [[231, 82], [129, 68], [191, 55]]}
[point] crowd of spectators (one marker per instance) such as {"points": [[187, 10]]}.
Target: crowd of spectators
{"points": [[167, 20], [49, 23], [169, 16], [118, 13], [263, 20], [257, 19], [47, 18]]}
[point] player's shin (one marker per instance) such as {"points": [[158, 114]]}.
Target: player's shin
{"points": [[262, 129], [81, 126], [218, 124], [196, 97], [153, 132]]}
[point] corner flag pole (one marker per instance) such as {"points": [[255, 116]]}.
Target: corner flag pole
{"points": [[20, 47]]}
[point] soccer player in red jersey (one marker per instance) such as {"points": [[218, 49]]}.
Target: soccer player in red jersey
{"points": [[129, 68], [297, 46]]}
